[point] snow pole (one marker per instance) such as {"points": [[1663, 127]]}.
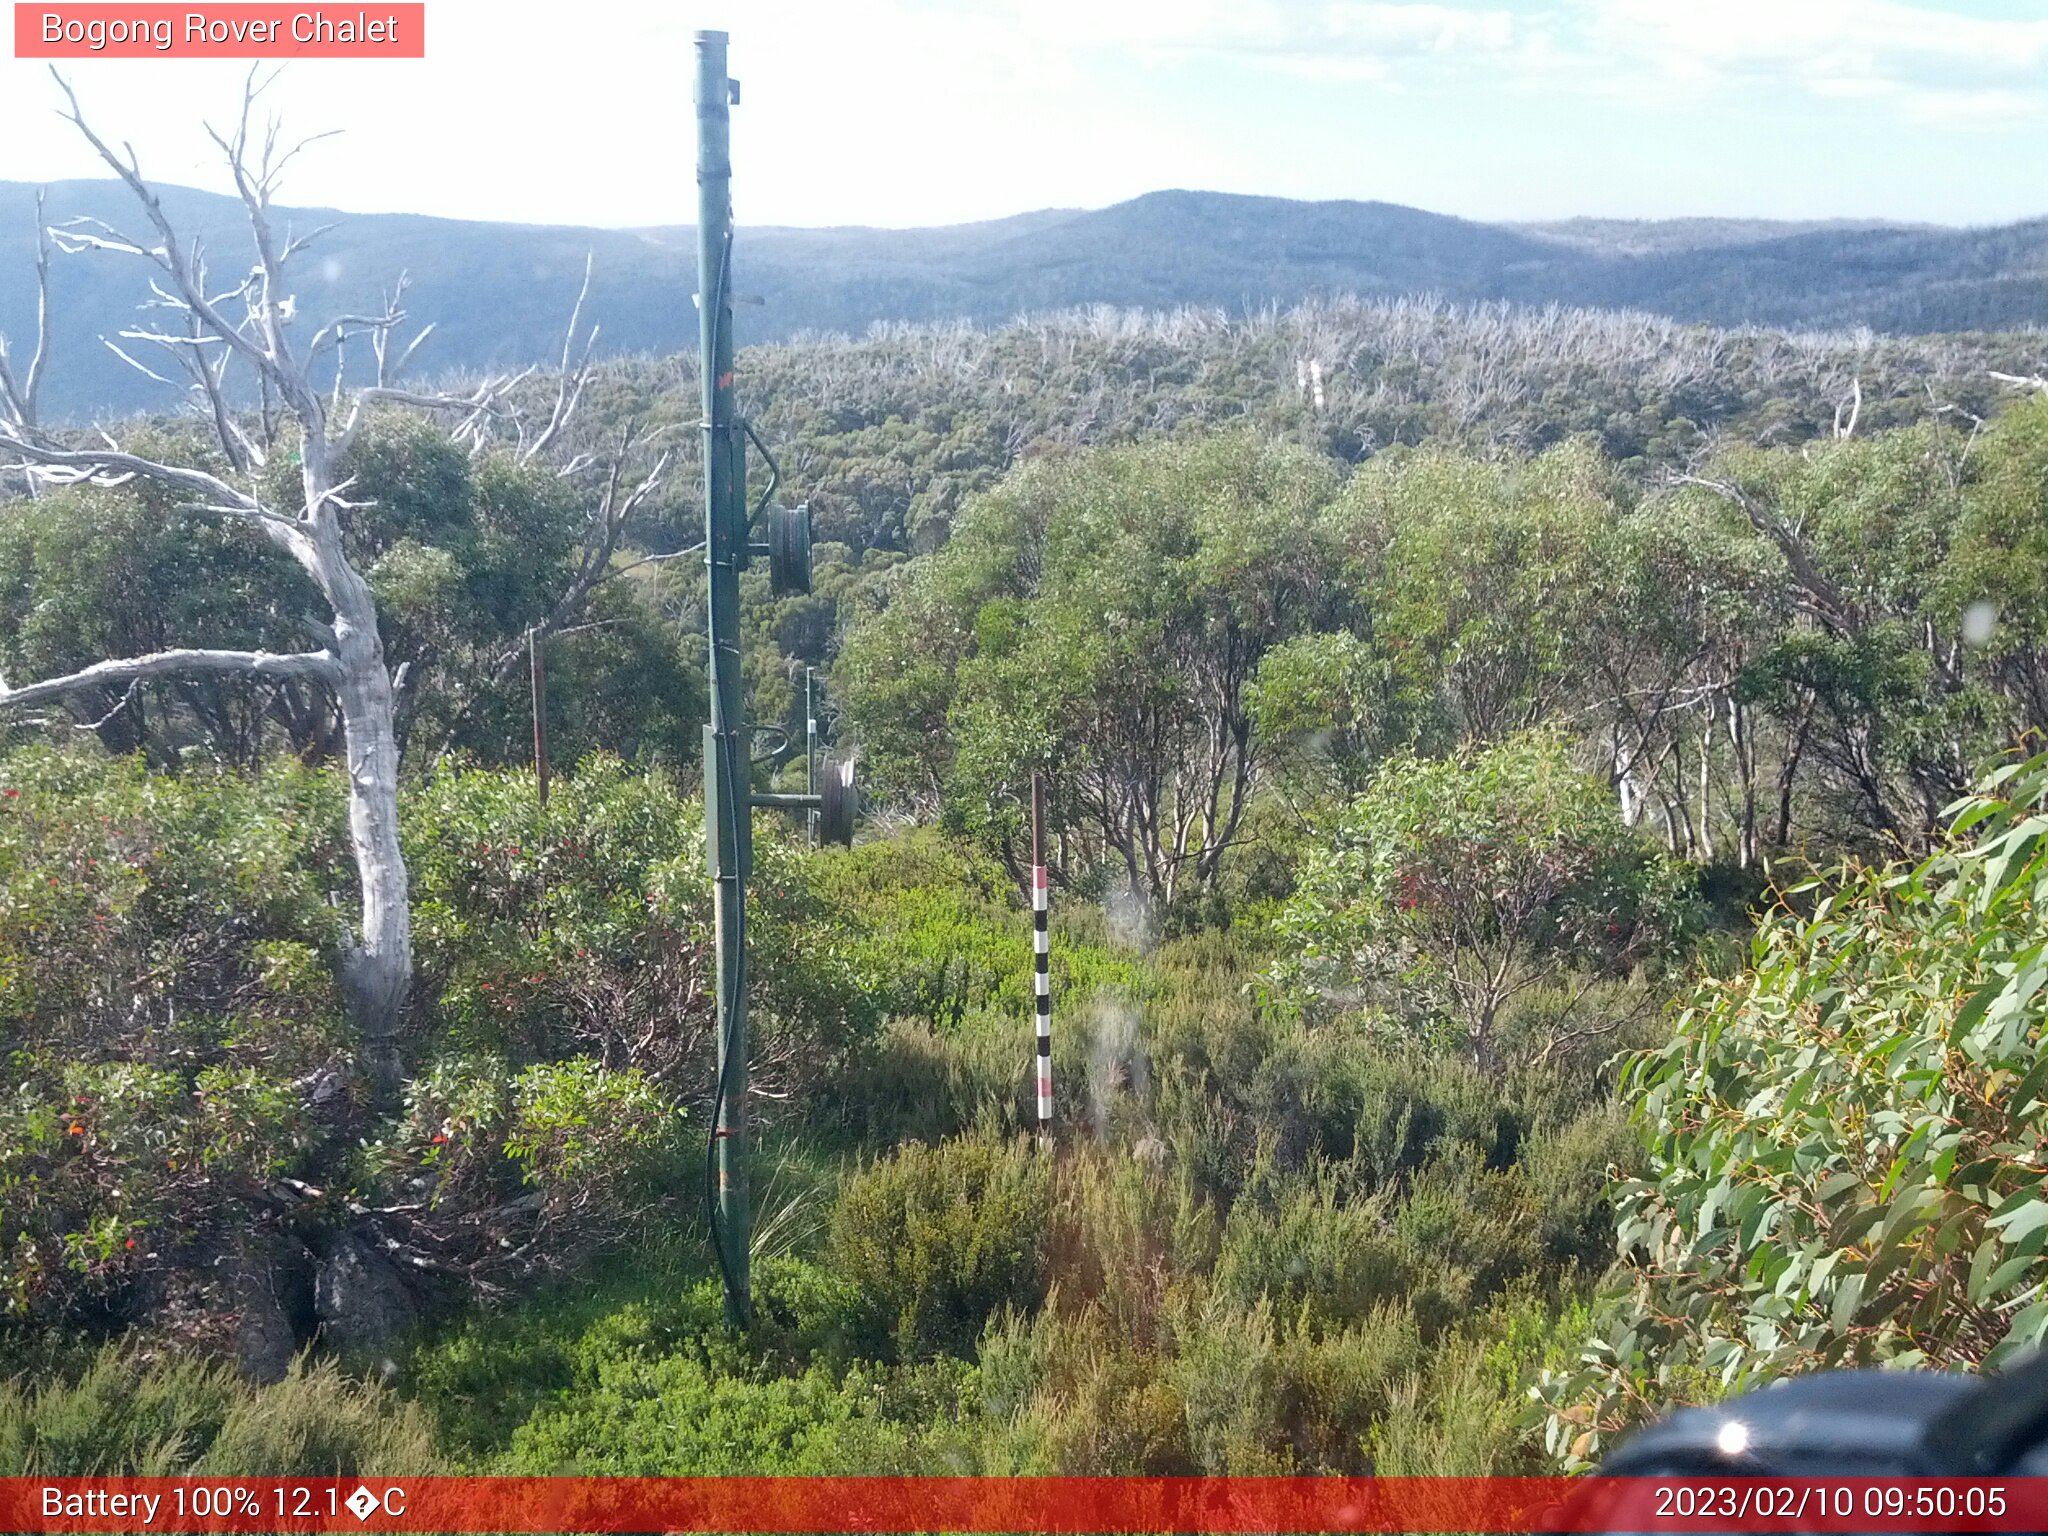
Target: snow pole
{"points": [[1041, 958]]}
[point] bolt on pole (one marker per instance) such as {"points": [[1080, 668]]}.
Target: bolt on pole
{"points": [[727, 759]]}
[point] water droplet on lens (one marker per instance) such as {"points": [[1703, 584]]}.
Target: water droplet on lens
{"points": [[1979, 619]]}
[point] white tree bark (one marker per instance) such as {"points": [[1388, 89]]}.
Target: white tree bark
{"points": [[20, 389], [377, 971]]}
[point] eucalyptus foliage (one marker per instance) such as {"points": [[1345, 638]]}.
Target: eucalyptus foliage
{"points": [[1845, 1150], [1453, 887]]}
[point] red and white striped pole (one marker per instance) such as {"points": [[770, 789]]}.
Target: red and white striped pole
{"points": [[1041, 956]]}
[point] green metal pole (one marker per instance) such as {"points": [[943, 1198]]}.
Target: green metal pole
{"points": [[728, 816]]}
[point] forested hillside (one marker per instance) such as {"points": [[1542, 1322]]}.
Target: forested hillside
{"points": [[499, 292], [1490, 753]]}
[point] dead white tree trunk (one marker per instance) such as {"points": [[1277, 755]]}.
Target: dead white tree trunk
{"points": [[206, 337], [20, 390]]}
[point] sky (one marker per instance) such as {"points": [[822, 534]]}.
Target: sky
{"points": [[913, 112]]}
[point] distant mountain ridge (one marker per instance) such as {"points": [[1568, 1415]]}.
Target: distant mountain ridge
{"points": [[499, 293]]}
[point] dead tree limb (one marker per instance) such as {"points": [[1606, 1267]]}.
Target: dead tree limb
{"points": [[251, 323]]}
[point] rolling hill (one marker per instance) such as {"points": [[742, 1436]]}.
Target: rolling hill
{"points": [[500, 292]]}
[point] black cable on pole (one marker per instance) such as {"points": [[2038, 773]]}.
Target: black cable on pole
{"points": [[728, 1045], [774, 475]]}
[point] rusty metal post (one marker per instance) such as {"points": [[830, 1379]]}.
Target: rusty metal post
{"points": [[537, 678]]}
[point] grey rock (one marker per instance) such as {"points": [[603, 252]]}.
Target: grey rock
{"points": [[362, 1303], [271, 1279], [264, 1343]]}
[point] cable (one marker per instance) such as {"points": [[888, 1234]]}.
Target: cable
{"points": [[774, 475], [736, 987]]}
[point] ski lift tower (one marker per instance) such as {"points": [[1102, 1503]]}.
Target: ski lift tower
{"points": [[729, 543]]}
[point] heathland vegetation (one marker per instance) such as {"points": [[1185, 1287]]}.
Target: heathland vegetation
{"points": [[497, 290], [1545, 868]]}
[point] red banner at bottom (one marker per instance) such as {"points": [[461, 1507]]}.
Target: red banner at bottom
{"points": [[1022, 1504]]}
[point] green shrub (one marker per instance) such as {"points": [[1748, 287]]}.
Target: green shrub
{"points": [[169, 947], [1123, 1233], [939, 932], [488, 1374], [939, 1238], [1070, 1394], [1227, 1374], [1570, 1172], [183, 1417], [1269, 1394], [1223, 1388], [1314, 1252], [1339, 1381], [1465, 1411], [917, 1084], [1452, 887], [568, 1156], [584, 929], [166, 979], [1452, 1420], [1844, 1146], [675, 1416]]}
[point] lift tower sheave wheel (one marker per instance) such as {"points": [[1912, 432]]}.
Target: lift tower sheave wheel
{"points": [[789, 550], [838, 802]]}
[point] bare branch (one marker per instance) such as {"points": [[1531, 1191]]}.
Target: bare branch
{"points": [[271, 310], [208, 372], [293, 244], [338, 330], [1844, 430], [674, 554], [478, 408], [405, 357], [575, 371], [172, 255], [20, 395], [127, 698], [183, 663], [64, 466], [1821, 596], [76, 235], [146, 371], [607, 525]]}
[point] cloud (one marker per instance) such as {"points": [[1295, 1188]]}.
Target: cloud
{"points": [[1399, 29], [1935, 64], [1344, 39], [921, 111]]}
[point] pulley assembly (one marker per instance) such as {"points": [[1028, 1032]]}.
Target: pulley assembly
{"points": [[789, 550]]}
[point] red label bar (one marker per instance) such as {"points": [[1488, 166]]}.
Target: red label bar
{"points": [[380, 30], [1023, 1504]]}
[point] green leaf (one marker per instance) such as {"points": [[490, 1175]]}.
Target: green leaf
{"points": [[2022, 1220]]}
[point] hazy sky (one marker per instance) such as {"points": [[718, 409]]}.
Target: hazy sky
{"points": [[936, 111]]}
